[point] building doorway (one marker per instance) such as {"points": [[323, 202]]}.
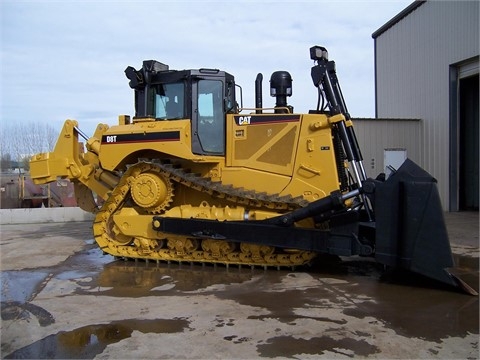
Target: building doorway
{"points": [[468, 192], [464, 136]]}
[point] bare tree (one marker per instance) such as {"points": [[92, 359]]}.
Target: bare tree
{"points": [[5, 161], [22, 140], [5, 149], [51, 136]]}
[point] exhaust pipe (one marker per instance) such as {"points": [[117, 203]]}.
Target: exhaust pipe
{"points": [[258, 93]]}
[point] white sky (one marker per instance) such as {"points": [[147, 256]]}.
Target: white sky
{"points": [[66, 59]]}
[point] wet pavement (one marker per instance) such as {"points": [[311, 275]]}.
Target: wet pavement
{"points": [[62, 298]]}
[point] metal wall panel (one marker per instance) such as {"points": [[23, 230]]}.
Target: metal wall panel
{"points": [[412, 64], [376, 135]]}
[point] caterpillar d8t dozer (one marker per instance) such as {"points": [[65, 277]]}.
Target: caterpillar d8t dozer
{"points": [[193, 177]]}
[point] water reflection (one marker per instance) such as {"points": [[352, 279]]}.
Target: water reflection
{"points": [[88, 341], [137, 279]]}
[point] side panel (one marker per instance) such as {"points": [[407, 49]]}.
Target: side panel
{"points": [[315, 171], [168, 137], [263, 142], [289, 154]]}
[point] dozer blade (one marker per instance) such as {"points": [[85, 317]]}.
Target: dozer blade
{"points": [[410, 229]]}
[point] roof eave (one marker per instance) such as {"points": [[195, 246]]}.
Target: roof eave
{"points": [[398, 17]]}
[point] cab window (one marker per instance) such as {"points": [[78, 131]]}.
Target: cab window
{"points": [[169, 101]]}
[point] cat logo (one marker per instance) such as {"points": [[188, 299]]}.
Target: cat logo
{"points": [[244, 120]]}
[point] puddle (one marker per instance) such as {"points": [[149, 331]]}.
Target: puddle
{"points": [[83, 264], [89, 259], [14, 310], [21, 285], [138, 279], [413, 309], [288, 346], [75, 274], [427, 312], [420, 312], [88, 341]]}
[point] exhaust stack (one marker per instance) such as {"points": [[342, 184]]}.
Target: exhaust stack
{"points": [[258, 93]]}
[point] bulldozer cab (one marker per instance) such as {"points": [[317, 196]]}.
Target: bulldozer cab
{"points": [[204, 96]]}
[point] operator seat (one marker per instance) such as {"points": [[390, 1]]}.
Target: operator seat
{"points": [[173, 110]]}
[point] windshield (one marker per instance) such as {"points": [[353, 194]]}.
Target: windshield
{"points": [[169, 101]]}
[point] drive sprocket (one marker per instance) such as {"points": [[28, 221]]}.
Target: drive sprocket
{"points": [[151, 190]]}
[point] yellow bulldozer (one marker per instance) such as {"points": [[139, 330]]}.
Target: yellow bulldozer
{"points": [[195, 177]]}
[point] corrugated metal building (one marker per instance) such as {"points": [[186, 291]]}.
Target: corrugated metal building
{"points": [[388, 142], [426, 67]]}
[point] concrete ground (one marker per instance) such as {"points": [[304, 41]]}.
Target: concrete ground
{"points": [[62, 298]]}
